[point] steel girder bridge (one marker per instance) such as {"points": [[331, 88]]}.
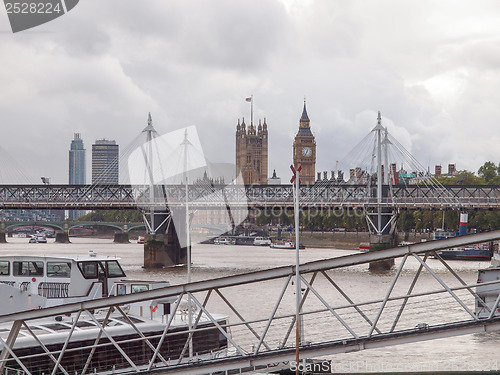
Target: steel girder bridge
{"points": [[334, 318], [92, 197]]}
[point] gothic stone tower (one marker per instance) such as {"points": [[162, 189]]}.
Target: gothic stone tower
{"points": [[304, 150], [251, 152]]}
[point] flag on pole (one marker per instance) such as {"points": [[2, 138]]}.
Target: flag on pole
{"points": [[249, 99]]}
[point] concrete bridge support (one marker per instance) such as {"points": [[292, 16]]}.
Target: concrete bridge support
{"points": [[163, 249], [121, 237], [2, 232], [381, 242], [62, 237]]}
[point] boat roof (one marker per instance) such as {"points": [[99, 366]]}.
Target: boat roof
{"points": [[75, 257]]}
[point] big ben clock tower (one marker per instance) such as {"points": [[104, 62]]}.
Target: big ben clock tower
{"points": [[304, 150]]}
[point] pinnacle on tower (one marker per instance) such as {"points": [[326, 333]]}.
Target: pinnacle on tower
{"points": [[150, 127], [379, 123], [304, 117]]}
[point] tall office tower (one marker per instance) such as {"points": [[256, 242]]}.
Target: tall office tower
{"points": [[105, 162], [304, 150], [251, 152], [77, 170]]}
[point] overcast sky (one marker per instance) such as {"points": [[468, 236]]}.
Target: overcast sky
{"points": [[431, 67]]}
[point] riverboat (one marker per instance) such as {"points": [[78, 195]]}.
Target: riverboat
{"points": [[225, 241], [480, 252], [283, 244], [33, 283], [38, 239], [262, 241]]}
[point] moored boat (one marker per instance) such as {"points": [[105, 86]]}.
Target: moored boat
{"points": [[283, 244], [482, 252], [262, 241], [34, 283], [224, 241]]}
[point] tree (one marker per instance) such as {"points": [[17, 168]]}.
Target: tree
{"points": [[488, 172]]}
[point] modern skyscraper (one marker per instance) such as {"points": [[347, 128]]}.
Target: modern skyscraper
{"points": [[77, 169], [105, 162], [304, 150], [251, 152]]}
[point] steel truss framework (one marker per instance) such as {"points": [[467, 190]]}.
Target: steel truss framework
{"points": [[333, 317], [482, 197]]}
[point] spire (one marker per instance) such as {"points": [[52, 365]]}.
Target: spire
{"points": [[150, 127], [304, 117], [379, 123]]}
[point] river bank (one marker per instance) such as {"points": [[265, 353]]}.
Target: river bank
{"points": [[350, 240]]}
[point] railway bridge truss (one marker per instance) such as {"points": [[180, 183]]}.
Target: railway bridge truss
{"points": [[260, 330], [321, 195]]}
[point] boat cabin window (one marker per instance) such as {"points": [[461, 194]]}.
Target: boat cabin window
{"points": [[137, 288], [58, 269], [28, 268], [114, 269], [4, 268], [89, 269], [121, 289]]}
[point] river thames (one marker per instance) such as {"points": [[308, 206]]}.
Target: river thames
{"points": [[477, 352]]}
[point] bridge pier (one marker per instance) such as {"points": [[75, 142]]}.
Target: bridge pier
{"points": [[163, 248], [62, 237], [381, 242], [2, 232], [121, 237]]}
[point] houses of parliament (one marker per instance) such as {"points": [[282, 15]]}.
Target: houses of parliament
{"points": [[252, 152]]}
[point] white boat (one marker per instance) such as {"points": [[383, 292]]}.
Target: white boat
{"points": [[33, 283], [224, 241], [262, 241], [488, 292], [283, 245], [38, 239]]}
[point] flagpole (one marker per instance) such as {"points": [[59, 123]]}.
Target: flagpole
{"points": [[251, 109], [297, 273], [188, 241]]}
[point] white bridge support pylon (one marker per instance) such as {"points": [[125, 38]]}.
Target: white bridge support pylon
{"points": [[260, 330]]}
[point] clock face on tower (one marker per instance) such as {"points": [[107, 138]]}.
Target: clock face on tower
{"points": [[306, 151]]}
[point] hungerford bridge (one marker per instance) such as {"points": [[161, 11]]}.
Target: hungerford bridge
{"points": [[331, 195]]}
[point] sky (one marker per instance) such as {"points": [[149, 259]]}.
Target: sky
{"points": [[432, 68]]}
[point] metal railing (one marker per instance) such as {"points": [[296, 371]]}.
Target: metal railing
{"points": [[259, 329]]}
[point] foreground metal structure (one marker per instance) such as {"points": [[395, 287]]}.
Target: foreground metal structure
{"points": [[334, 319]]}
